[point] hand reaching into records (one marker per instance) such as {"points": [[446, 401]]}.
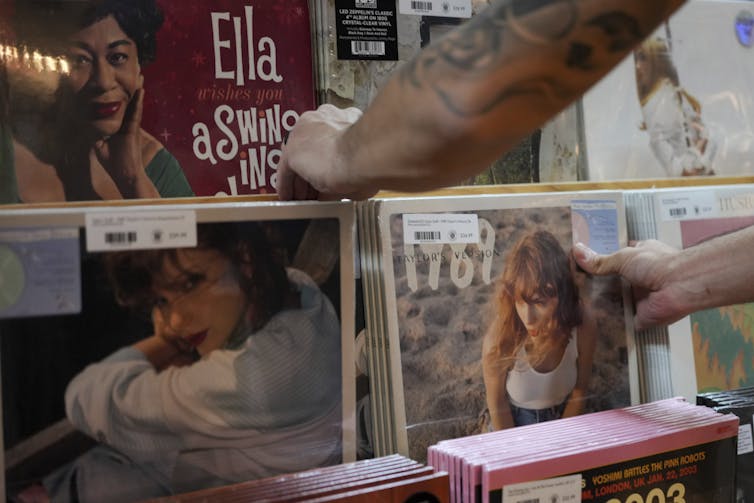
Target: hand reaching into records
{"points": [[465, 99], [669, 284], [310, 167], [645, 266]]}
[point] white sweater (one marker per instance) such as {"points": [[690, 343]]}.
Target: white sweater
{"points": [[271, 406]]}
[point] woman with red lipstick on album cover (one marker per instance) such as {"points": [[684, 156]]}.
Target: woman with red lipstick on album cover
{"points": [[240, 380], [537, 353], [71, 128]]}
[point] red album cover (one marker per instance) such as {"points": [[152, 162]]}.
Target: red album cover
{"points": [[429, 488], [123, 99], [229, 80]]}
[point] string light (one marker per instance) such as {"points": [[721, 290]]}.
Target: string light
{"points": [[35, 60]]}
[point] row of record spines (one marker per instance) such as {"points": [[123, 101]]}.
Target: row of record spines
{"points": [[652, 345], [382, 343], [359, 481], [320, 48], [368, 278], [727, 398], [382, 340], [369, 274], [381, 393]]}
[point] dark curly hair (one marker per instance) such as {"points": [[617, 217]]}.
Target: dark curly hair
{"points": [[43, 24], [134, 274]]}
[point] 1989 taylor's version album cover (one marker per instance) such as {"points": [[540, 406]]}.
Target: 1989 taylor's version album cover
{"points": [[482, 323]]}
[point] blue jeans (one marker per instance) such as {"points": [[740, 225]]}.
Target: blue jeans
{"points": [[523, 416], [104, 474]]}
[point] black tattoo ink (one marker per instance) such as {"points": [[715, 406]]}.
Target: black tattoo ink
{"points": [[476, 50], [473, 48], [622, 29], [520, 8], [544, 88], [579, 55], [559, 23], [622, 32]]}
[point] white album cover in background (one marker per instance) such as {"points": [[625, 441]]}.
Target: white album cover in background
{"points": [[682, 103]]}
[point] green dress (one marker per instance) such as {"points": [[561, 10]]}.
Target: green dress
{"points": [[164, 171]]}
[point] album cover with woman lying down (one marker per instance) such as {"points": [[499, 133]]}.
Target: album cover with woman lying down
{"points": [[153, 350], [148, 98], [490, 324], [677, 106]]}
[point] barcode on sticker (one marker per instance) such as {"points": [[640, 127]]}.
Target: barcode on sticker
{"points": [[120, 237], [427, 235], [562, 489], [139, 230], [446, 8], [677, 212], [698, 204], [451, 228], [416, 5], [367, 48], [745, 443]]}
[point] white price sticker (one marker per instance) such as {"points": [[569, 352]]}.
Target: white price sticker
{"points": [[745, 441], [440, 228], [562, 489], [140, 230], [440, 8], [692, 207]]}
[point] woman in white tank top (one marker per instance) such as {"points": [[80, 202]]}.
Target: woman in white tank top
{"points": [[537, 353]]}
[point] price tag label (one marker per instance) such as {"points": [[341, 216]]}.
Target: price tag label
{"points": [[692, 207], [440, 8], [443, 228], [140, 230], [745, 441], [562, 489]]}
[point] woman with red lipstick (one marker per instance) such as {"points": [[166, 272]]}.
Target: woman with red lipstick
{"points": [[537, 353], [72, 130], [241, 378]]}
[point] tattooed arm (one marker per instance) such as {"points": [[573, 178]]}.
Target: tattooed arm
{"points": [[466, 99]]}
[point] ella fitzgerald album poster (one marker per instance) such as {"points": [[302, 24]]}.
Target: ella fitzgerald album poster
{"points": [[154, 350], [489, 325], [680, 104], [149, 98]]}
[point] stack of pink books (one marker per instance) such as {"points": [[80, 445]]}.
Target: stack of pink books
{"points": [[668, 450]]}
